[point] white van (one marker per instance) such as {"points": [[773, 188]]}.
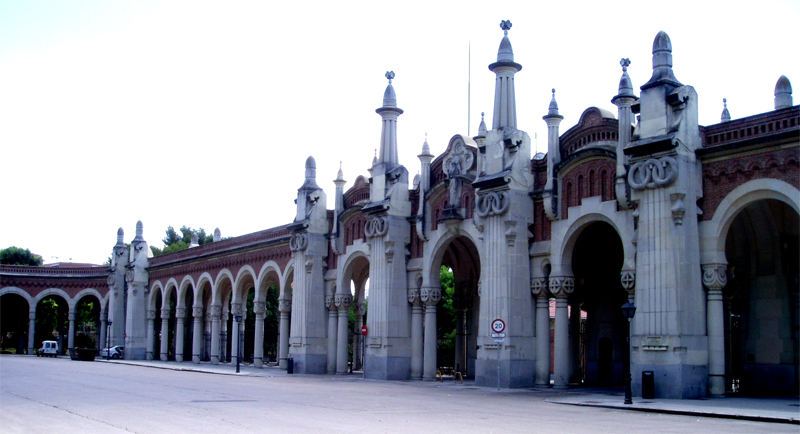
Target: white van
{"points": [[49, 349]]}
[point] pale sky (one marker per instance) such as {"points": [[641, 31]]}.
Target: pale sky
{"points": [[203, 113]]}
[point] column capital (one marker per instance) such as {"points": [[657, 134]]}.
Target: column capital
{"points": [[360, 308], [197, 312], [714, 276], [430, 295], [216, 312], [329, 303], [413, 297], [343, 301], [259, 308], [562, 286], [284, 305], [236, 308], [539, 287], [180, 313], [164, 314], [151, 314]]}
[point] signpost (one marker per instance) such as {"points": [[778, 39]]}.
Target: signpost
{"points": [[498, 328]]}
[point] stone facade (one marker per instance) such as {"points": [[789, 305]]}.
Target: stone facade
{"points": [[695, 225]]}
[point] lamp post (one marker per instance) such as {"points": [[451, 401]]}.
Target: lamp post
{"points": [[238, 346], [628, 310], [108, 339]]}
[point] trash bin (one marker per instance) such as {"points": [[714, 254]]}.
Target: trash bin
{"points": [[290, 366], [648, 385]]}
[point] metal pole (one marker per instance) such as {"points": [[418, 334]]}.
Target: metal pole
{"points": [[498, 365], [108, 337]]}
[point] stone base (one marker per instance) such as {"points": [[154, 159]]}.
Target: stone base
{"points": [[673, 381], [387, 368], [135, 353], [310, 363], [513, 373]]}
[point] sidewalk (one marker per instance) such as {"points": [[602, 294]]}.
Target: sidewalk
{"points": [[774, 409]]}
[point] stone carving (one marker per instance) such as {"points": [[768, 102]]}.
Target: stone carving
{"points": [[343, 301], [216, 311], [180, 313], [628, 279], [259, 308], [413, 296], [151, 314], [714, 276], [111, 280], [653, 173], [298, 242], [678, 208], [129, 275], [361, 309], [455, 164], [431, 296], [164, 314], [376, 227], [284, 306], [329, 302], [562, 286], [539, 286], [197, 312], [492, 203]]}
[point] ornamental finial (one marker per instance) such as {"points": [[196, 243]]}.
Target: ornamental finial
{"points": [[390, 76], [506, 26], [625, 62]]}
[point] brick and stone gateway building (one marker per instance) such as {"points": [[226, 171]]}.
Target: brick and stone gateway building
{"points": [[696, 225]]}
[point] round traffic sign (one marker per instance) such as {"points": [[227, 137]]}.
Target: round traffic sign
{"points": [[498, 326], [364, 330]]}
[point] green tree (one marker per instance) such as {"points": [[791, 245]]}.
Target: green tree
{"points": [[17, 256], [171, 238], [446, 318], [174, 242]]}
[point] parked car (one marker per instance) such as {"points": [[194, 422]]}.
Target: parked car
{"points": [[115, 352], [48, 349]]}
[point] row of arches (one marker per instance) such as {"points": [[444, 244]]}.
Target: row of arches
{"points": [[74, 322]]}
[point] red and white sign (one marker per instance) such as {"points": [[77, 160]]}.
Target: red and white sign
{"points": [[498, 326], [364, 330]]}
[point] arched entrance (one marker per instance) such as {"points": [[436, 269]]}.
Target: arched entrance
{"points": [[87, 323], [13, 323], [52, 322], [456, 270], [761, 299], [597, 328], [351, 315]]}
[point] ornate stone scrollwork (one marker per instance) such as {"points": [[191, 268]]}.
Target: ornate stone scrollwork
{"points": [[329, 302], [151, 314], [430, 296], [562, 286], [492, 203], [361, 309], [343, 301], [180, 312], [216, 311], [455, 164], [284, 305], [298, 242], [197, 312], [164, 314], [714, 276], [653, 173], [376, 227], [539, 286]]}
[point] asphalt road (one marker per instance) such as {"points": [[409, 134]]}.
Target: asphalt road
{"points": [[64, 396]]}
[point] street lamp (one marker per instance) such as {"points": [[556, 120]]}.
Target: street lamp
{"points": [[628, 310], [238, 341], [108, 340]]}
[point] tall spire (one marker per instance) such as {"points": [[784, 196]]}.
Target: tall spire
{"points": [[389, 113], [726, 115], [625, 85], [662, 63], [505, 104]]}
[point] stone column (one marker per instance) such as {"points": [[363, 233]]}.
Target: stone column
{"points": [[151, 338], [714, 279], [197, 337], [430, 296], [215, 331], [259, 308], [237, 326], [71, 336], [164, 334], [179, 331], [103, 327], [284, 307], [561, 287], [574, 343], [31, 331], [416, 334], [539, 290], [332, 332], [342, 302], [223, 336]]}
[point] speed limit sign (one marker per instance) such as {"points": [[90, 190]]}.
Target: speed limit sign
{"points": [[498, 326]]}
